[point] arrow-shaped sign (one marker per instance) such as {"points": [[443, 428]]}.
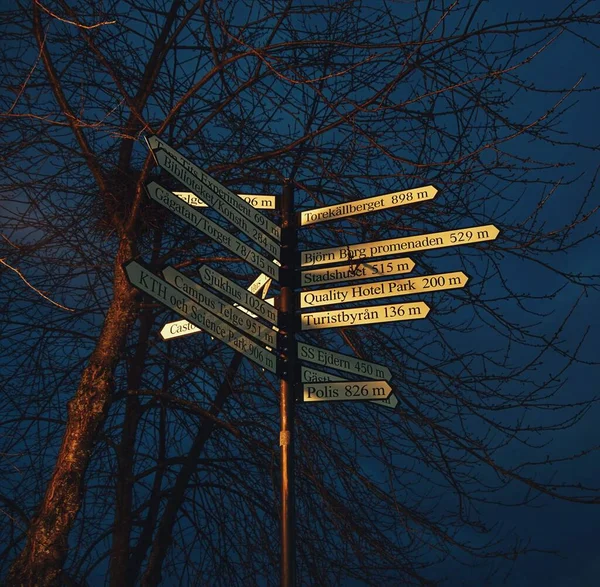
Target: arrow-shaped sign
{"points": [[383, 289], [239, 221], [171, 297], [423, 242], [237, 293], [365, 205], [257, 201], [356, 271], [314, 375], [342, 362], [364, 315], [208, 189], [214, 304], [228, 212], [346, 391], [211, 229], [183, 327]]}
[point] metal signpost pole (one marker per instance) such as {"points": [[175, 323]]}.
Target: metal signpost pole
{"points": [[288, 368]]}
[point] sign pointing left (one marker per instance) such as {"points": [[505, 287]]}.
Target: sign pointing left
{"points": [[258, 201], [183, 327], [215, 194], [212, 229], [171, 297], [217, 306]]}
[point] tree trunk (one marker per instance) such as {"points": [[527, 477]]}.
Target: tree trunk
{"points": [[41, 561], [126, 458]]}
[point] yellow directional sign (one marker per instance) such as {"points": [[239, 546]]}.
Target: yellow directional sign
{"points": [[309, 375], [183, 327], [257, 201], [364, 315], [342, 362], [211, 229], [383, 289], [215, 194], [171, 297], [238, 294], [357, 271], [422, 242], [365, 205], [234, 316], [346, 391], [236, 219], [223, 207]]}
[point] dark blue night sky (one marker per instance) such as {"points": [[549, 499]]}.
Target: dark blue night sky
{"points": [[568, 529]]}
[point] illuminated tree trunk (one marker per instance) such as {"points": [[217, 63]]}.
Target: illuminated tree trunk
{"points": [[41, 561]]}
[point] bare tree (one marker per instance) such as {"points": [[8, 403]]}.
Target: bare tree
{"points": [[133, 459]]}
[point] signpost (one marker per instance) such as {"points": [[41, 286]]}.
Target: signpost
{"points": [[346, 391], [287, 387], [423, 242], [202, 309], [365, 205], [383, 289], [212, 229], [360, 270], [257, 201], [208, 189], [217, 306], [235, 292], [364, 315], [171, 297]]}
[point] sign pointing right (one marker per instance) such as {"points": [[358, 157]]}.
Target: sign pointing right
{"points": [[342, 362], [383, 289], [357, 271], [309, 375], [422, 242], [412, 196], [346, 391], [364, 315]]}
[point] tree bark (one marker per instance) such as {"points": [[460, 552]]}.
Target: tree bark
{"points": [[126, 458], [41, 561]]}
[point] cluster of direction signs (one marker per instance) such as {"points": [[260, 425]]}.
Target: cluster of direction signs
{"points": [[247, 321]]}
